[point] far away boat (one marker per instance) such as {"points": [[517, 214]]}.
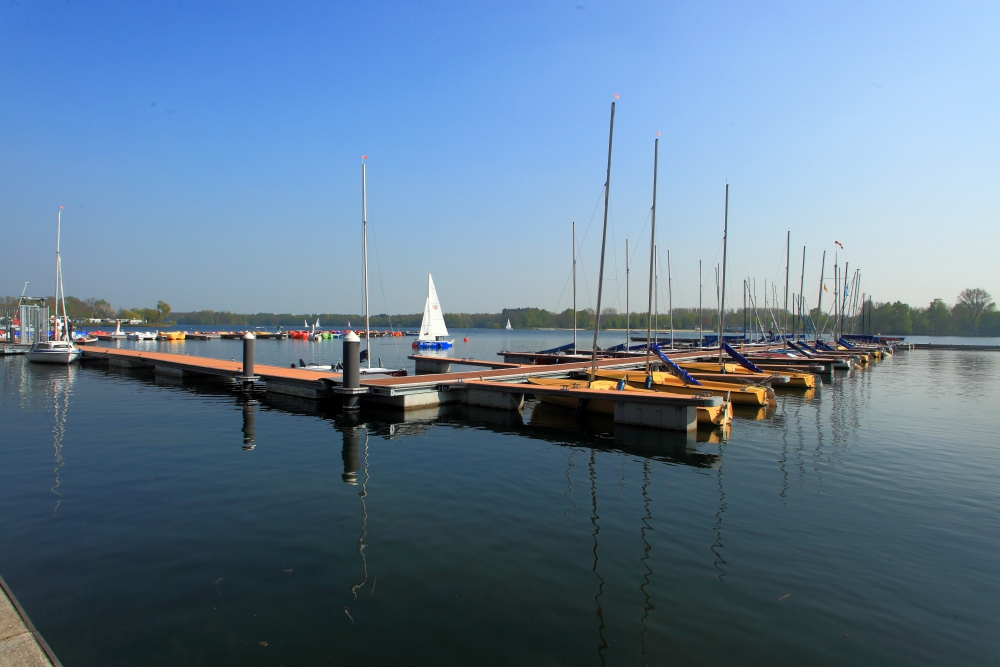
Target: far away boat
{"points": [[433, 331]]}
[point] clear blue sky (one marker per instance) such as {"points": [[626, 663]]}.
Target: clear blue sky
{"points": [[209, 154]]}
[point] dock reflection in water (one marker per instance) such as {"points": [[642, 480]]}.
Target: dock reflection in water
{"points": [[530, 538]]}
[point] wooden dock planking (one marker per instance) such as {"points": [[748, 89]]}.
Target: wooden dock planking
{"points": [[430, 363], [290, 381]]}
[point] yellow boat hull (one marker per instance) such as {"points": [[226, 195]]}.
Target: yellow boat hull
{"points": [[738, 394], [797, 380]]}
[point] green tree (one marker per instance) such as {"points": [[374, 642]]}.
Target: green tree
{"points": [[162, 311], [937, 318], [976, 302]]}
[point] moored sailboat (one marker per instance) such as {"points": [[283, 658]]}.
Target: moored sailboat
{"points": [[61, 349]]}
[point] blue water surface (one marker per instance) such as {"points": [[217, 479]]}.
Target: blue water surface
{"points": [[152, 523]]}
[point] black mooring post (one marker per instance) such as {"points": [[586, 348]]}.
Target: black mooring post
{"points": [[352, 370], [248, 378]]}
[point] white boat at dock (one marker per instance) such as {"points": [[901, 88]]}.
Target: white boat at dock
{"points": [[61, 350], [54, 352]]}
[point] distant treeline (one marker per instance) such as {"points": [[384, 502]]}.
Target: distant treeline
{"points": [[973, 314], [93, 308], [520, 318]]}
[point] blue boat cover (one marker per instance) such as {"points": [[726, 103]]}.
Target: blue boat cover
{"points": [[674, 368], [803, 348], [743, 361]]}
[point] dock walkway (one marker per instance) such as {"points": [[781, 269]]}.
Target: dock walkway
{"points": [[21, 645], [289, 381]]}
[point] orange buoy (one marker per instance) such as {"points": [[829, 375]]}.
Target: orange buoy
{"points": [[465, 340]]}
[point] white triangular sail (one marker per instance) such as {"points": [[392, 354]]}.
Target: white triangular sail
{"points": [[509, 328], [432, 326]]}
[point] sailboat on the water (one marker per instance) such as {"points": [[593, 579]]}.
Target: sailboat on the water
{"points": [[433, 331], [508, 327]]}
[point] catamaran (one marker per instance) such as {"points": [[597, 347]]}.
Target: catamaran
{"points": [[433, 331], [61, 349]]}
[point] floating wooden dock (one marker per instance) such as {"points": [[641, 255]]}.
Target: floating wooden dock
{"points": [[500, 388], [289, 381]]}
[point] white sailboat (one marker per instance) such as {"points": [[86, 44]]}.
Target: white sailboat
{"points": [[433, 331], [508, 327], [61, 349]]}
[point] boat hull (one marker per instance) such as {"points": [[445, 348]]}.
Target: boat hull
{"points": [[708, 416], [435, 344], [55, 357], [738, 394]]}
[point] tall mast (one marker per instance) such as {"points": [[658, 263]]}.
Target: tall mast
{"points": [[656, 294], [652, 255], [843, 303], [670, 299], [745, 311], [722, 291], [364, 235], [574, 285], [55, 306], [718, 301], [802, 287], [788, 256], [700, 325], [836, 291], [604, 240], [628, 313]]}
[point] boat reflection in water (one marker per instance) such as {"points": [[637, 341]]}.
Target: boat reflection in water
{"points": [[61, 383], [53, 384], [671, 446]]}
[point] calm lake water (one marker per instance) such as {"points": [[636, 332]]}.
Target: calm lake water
{"points": [[856, 525]]}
